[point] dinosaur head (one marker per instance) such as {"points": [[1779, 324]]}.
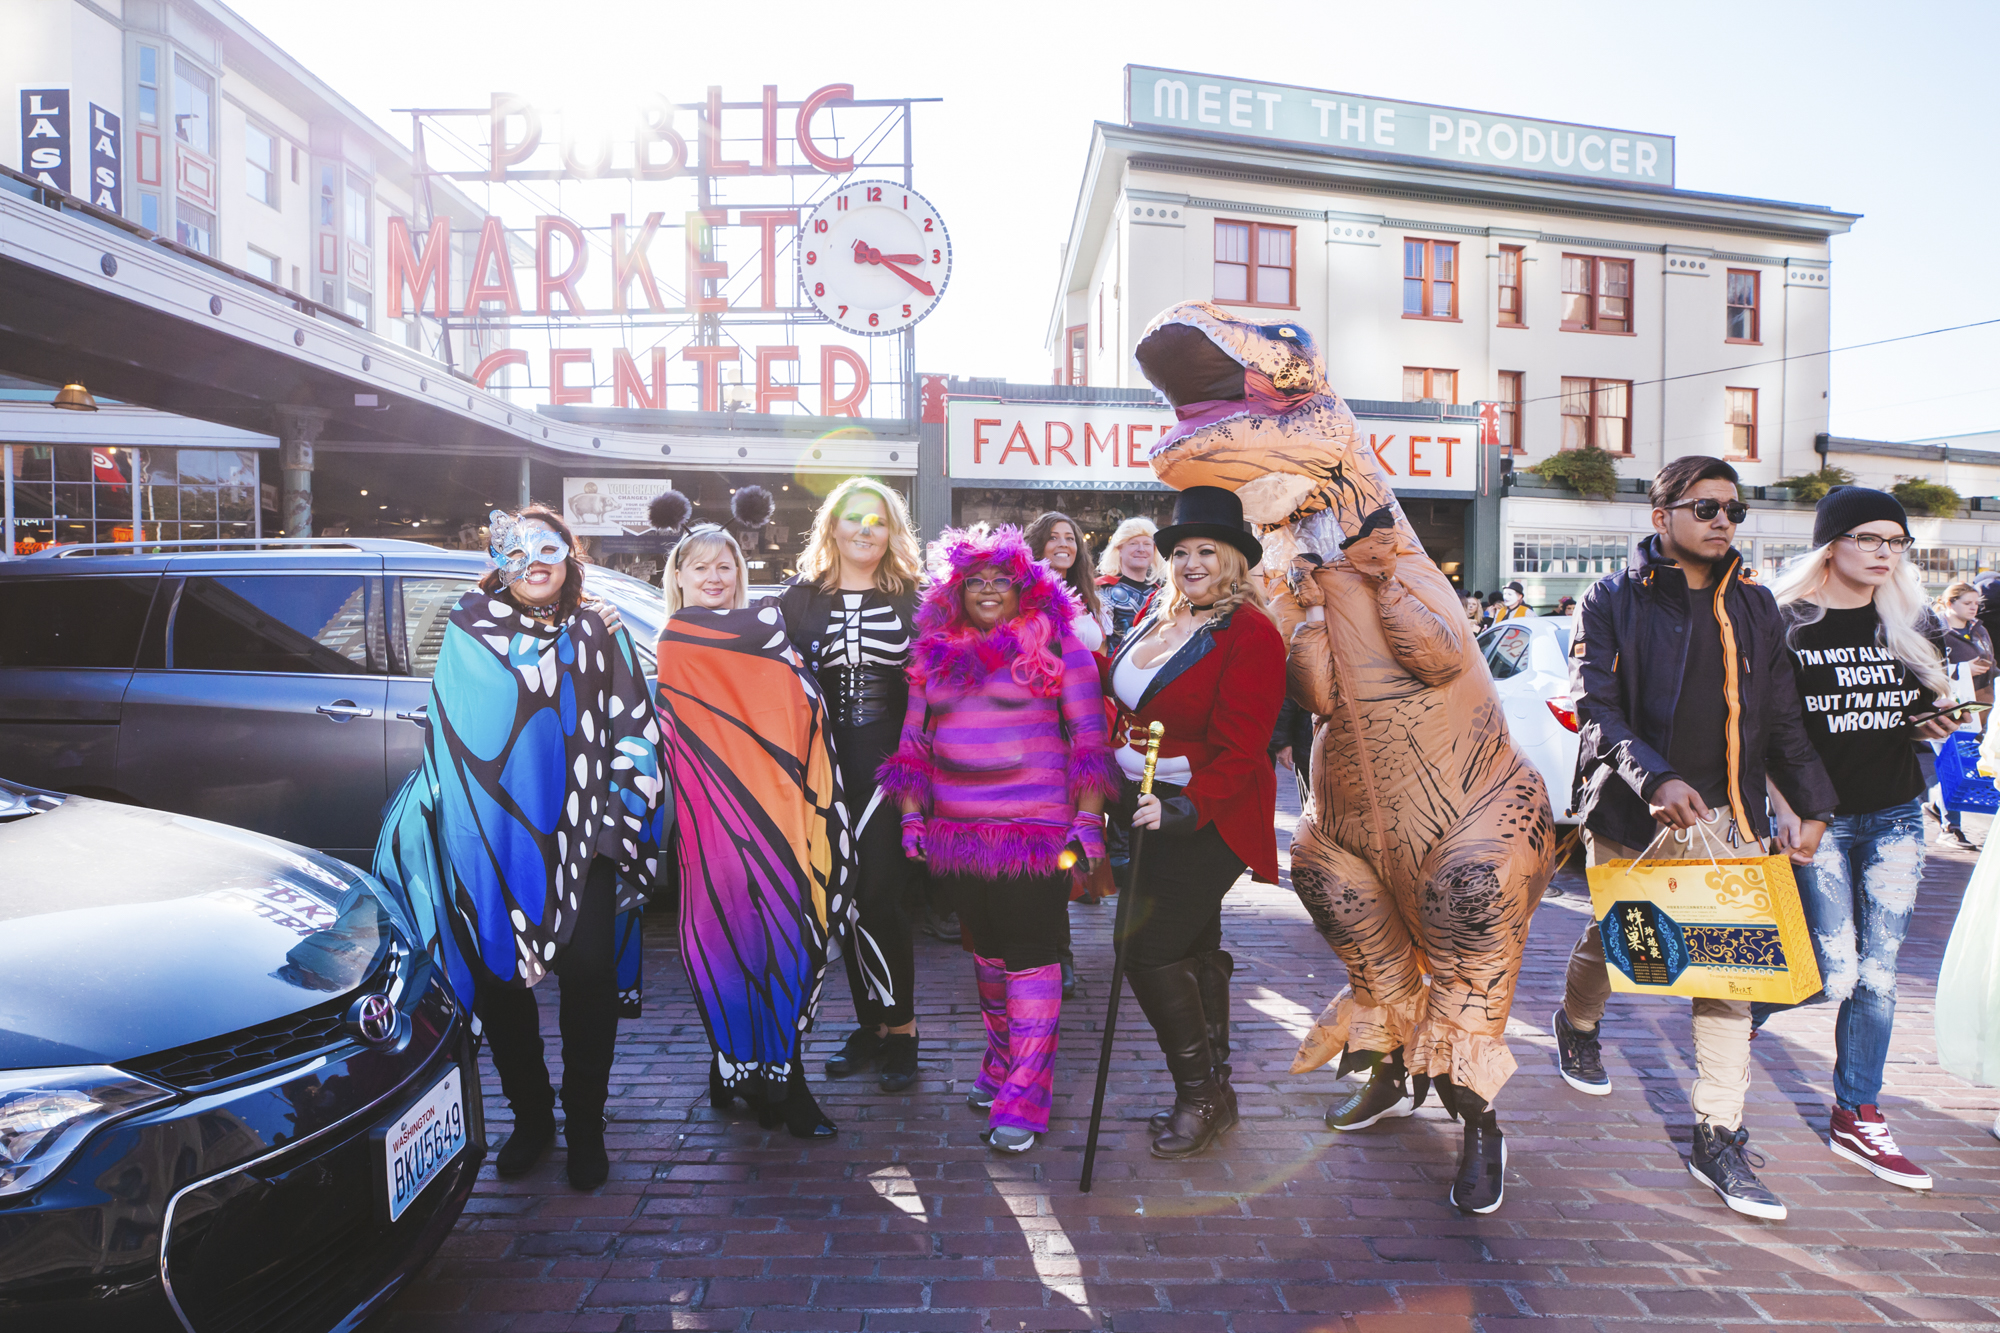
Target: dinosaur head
{"points": [[1257, 417]]}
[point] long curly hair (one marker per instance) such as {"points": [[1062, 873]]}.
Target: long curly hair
{"points": [[950, 648], [900, 571]]}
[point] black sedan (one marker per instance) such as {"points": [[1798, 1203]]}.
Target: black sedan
{"points": [[232, 1095]]}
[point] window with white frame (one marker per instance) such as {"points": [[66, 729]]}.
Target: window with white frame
{"points": [[1569, 553], [260, 152], [263, 264]]}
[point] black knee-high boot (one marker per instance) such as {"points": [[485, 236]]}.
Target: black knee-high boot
{"points": [[513, 1026], [589, 1019], [1214, 968], [1170, 996]]}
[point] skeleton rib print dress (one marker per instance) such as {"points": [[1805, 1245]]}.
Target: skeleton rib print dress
{"points": [[543, 752]]}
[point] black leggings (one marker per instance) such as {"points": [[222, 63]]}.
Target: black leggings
{"points": [[1022, 922], [884, 883], [1176, 910], [588, 1016]]}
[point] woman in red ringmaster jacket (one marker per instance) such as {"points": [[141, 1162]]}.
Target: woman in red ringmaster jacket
{"points": [[1207, 664]]}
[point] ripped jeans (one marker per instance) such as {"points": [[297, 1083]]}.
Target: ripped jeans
{"points": [[1858, 900]]}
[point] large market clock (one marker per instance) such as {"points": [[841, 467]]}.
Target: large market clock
{"points": [[874, 257]]}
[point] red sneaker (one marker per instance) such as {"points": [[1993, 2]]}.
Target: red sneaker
{"points": [[1863, 1137]]}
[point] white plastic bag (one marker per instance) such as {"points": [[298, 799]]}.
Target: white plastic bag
{"points": [[1968, 989]]}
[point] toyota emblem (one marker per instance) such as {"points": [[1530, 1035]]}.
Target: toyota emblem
{"points": [[373, 1019]]}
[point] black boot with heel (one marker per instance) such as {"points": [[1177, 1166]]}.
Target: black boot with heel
{"points": [[1214, 969], [1204, 1107]]}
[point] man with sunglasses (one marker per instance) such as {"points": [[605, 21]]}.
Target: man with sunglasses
{"points": [[1685, 700]]}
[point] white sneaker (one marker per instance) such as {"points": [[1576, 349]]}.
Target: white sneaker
{"points": [[1009, 1139]]}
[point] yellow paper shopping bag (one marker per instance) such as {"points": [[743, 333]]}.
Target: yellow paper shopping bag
{"points": [[1725, 928]]}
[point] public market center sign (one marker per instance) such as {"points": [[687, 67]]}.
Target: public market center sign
{"points": [[1313, 118]]}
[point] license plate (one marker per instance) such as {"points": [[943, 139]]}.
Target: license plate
{"points": [[422, 1143]]}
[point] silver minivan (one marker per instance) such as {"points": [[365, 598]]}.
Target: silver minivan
{"points": [[276, 685]]}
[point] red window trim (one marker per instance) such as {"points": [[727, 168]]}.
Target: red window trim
{"points": [[1427, 372], [1457, 280], [1251, 283], [1631, 329], [1520, 253], [1520, 379], [1068, 368], [1625, 449], [1756, 306], [1728, 425]]}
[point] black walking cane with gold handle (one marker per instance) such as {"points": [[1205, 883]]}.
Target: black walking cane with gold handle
{"points": [[1154, 734]]}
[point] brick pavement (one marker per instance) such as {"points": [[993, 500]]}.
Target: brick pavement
{"points": [[906, 1222]]}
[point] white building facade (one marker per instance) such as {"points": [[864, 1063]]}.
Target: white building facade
{"points": [[180, 117], [1591, 300]]}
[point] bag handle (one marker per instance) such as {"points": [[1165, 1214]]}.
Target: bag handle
{"points": [[1682, 836]]}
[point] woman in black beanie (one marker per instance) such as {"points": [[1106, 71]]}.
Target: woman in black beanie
{"points": [[1871, 678]]}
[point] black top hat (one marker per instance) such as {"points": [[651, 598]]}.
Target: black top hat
{"points": [[1209, 511]]}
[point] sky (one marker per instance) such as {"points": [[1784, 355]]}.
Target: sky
{"points": [[1887, 111]]}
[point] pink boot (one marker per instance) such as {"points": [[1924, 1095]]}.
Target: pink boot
{"points": [[1034, 1026], [992, 977]]}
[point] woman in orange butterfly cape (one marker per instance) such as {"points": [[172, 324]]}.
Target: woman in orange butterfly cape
{"points": [[1430, 836], [765, 855]]}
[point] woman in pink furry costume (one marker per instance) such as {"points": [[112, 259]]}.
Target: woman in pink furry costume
{"points": [[1003, 766]]}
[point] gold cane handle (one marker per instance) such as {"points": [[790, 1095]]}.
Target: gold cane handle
{"points": [[1155, 733]]}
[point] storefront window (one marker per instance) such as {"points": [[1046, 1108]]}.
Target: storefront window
{"points": [[70, 493], [1569, 553]]}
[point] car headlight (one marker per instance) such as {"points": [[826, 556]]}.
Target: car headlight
{"points": [[46, 1114]]}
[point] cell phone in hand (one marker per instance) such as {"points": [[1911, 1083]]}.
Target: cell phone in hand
{"points": [[1957, 713]]}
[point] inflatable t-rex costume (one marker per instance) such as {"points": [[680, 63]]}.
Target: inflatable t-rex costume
{"points": [[1430, 839]]}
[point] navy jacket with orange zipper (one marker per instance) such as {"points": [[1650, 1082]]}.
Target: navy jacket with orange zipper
{"points": [[1626, 662]]}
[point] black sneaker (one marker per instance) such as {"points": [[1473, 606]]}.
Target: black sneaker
{"points": [[899, 1061], [862, 1047], [1954, 836], [1382, 1097], [1578, 1056], [1482, 1165], [1722, 1161], [942, 926]]}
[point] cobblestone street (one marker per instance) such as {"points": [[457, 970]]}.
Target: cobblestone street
{"points": [[907, 1222]]}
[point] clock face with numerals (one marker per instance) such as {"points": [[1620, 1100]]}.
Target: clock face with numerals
{"points": [[874, 257]]}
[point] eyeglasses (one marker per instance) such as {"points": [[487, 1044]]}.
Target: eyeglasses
{"points": [[1001, 584], [1870, 543], [1706, 510]]}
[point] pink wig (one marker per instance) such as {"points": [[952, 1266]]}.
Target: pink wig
{"points": [[950, 648]]}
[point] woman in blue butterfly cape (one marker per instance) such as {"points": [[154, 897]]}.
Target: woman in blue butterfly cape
{"points": [[528, 838]]}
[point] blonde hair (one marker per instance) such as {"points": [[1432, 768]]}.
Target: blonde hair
{"points": [[901, 570], [702, 540], [1957, 589], [1233, 571], [1900, 605], [1108, 564]]}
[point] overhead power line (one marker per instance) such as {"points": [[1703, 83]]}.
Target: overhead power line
{"points": [[1779, 360]]}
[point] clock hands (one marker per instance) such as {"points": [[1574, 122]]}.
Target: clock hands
{"points": [[868, 254]]}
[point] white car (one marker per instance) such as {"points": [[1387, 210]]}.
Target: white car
{"points": [[1529, 659]]}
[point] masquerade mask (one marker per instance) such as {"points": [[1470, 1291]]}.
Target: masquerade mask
{"points": [[513, 546], [865, 520]]}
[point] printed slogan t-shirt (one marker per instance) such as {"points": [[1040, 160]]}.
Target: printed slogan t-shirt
{"points": [[1857, 695]]}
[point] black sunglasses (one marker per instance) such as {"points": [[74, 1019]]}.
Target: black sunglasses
{"points": [[1706, 510]]}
